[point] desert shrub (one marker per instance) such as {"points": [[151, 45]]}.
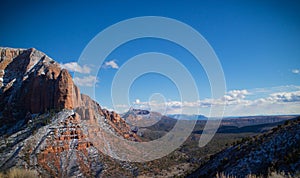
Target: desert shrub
{"points": [[288, 122], [225, 160]]}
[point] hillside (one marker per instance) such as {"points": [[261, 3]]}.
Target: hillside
{"points": [[275, 151]]}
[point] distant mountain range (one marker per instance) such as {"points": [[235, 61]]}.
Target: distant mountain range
{"points": [[187, 117]]}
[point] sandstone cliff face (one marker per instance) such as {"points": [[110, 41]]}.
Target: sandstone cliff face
{"points": [[67, 148], [32, 82]]}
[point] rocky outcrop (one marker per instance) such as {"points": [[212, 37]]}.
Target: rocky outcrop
{"points": [[88, 108], [67, 141], [32, 82]]}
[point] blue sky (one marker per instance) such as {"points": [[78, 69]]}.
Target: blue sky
{"points": [[257, 43]]}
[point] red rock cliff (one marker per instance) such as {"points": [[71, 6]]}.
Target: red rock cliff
{"points": [[31, 81]]}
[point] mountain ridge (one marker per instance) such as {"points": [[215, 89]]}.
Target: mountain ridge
{"points": [[47, 124]]}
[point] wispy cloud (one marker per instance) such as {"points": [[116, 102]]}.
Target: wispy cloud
{"points": [[87, 81], [75, 67], [111, 64], [296, 71]]}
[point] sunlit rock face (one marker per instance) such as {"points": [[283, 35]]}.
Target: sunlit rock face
{"points": [[32, 82]]}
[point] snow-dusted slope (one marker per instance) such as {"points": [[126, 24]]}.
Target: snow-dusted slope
{"points": [[278, 150]]}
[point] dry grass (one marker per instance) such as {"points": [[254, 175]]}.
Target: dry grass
{"points": [[1, 175], [19, 173], [272, 175]]}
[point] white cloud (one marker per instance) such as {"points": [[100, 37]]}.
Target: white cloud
{"points": [[174, 104], [272, 104], [111, 64], [232, 97], [75, 67], [137, 101], [107, 108], [263, 101], [235, 95], [296, 71], [286, 97], [87, 81]]}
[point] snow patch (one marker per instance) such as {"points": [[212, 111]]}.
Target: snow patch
{"points": [[25, 77]]}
